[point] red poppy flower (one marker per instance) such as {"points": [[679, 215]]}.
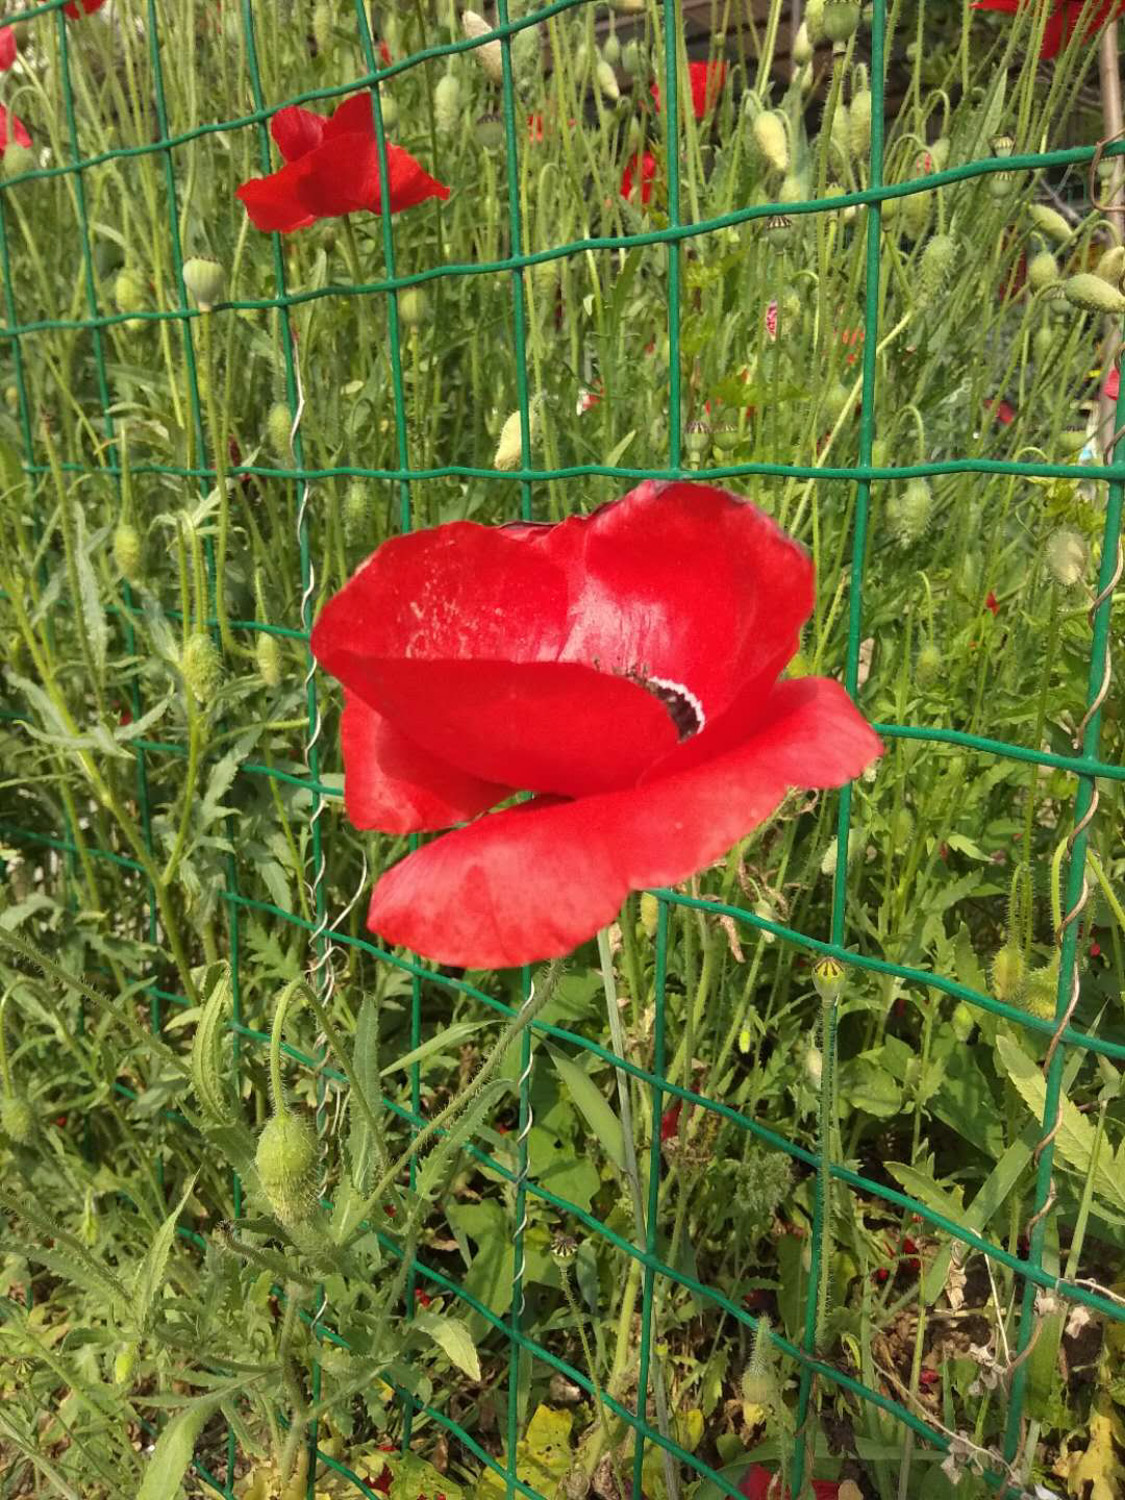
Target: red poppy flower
{"points": [[992, 604], [332, 168], [1003, 411], [644, 167], [87, 6], [18, 133], [7, 47], [1063, 20], [706, 80], [1112, 384], [622, 666], [760, 1484], [670, 1121]]}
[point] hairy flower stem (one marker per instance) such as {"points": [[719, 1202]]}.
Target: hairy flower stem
{"points": [[566, 1277]]}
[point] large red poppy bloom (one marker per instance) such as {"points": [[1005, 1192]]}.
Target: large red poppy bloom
{"points": [[1063, 20], [639, 169], [706, 79], [88, 7], [332, 168], [12, 129], [622, 666]]}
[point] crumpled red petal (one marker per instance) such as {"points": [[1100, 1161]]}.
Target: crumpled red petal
{"points": [[395, 786], [534, 882], [297, 131], [18, 131], [273, 202]]}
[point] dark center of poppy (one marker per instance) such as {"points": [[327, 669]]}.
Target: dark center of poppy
{"points": [[684, 708]]}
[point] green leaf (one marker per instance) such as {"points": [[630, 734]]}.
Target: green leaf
{"points": [[150, 1273], [365, 1070], [454, 1337], [93, 615], [592, 1103], [206, 1050], [450, 1037], [865, 1084], [175, 1447]]}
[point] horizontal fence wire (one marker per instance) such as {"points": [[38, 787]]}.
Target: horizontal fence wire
{"points": [[1085, 764]]}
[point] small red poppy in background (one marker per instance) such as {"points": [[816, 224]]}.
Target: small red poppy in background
{"points": [[12, 128], [642, 167], [992, 604], [762, 1484], [623, 666], [332, 168], [7, 47], [1003, 411], [706, 80], [1063, 20], [87, 6]]}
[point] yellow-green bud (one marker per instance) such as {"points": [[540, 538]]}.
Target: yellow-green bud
{"points": [[16, 1119], [490, 130], [915, 213], [202, 666], [127, 551], [611, 49], [634, 59], [322, 25], [267, 652], [963, 1021], [288, 1159], [828, 976], [279, 424], [17, 159], [413, 307], [1067, 556], [1042, 270], [606, 80], [928, 667], [1093, 294], [859, 123], [1050, 222], [802, 45], [1008, 973], [841, 20], [935, 265], [650, 913], [814, 20], [1040, 991], [205, 280], [1111, 265], [509, 450], [909, 513], [130, 292], [772, 139], [447, 104]]}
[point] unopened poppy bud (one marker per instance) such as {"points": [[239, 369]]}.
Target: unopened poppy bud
{"points": [[828, 975], [127, 551], [859, 123], [490, 130], [1008, 973], [772, 139], [1042, 270], [928, 667], [814, 20], [202, 666], [1073, 440], [1050, 222], [287, 1159], [650, 913], [1040, 991], [779, 229], [17, 1120], [323, 20], [935, 265], [447, 104], [356, 509], [802, 45], [1092, 294], [759, 1381], [205, 280], [814, 1065], [606, 80], [611, 49], [915, 213], [509, 450], [1111, 265], [267, 653], [129, 291], [792, 189], [697, 438], [963, 1021], [909, 513], [634, 59], [629, 7], [279, 425], [413, 307], [491, 55], [388, 108], [1067, 556], [841, 20]]}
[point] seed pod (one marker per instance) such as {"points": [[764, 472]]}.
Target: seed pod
{"points": [[650, 913], [279, 424], [1092, 294], [1040, 991], [205, 280], [929, 664], [828, 975], [447, 104], [413, 307], [841, 20], [127, 551], [1042, 271], [634, 59], [814, 20], [963, 1021], [935, 265], [490, 56], [1050, 222], [772, 139], [606, 80], [779, 229], [17, 1120], [802, 45], [267, 652], [202, 666], [1067, 556], [1008, 973], [909, 513], [859, 123], [130, 291], [288, 1159], [490, 130], [697, 438]]}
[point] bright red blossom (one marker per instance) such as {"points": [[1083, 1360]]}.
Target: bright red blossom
{"points": [[706, 79], [12, 129], [332, 168], [1064, 19], [621, 666], [760, 1484], [7, 47], [642, 167], [88, 7]]}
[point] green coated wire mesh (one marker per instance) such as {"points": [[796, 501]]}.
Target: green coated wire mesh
{"points": [[90, 319]]}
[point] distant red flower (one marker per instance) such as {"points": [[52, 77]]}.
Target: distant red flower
{"points": [[1063, 20], [644, 166], [19, 132], [384, 54], [1003, 411], [7, 47], [535, 129], [623, 666], [991, 603], [670, 1121], [761, 1484], [1112, 384], [88, 6], [706, 85], [332, 168]]}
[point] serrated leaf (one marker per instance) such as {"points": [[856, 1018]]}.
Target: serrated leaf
{"points": [[454, 1337], [150, 1273], [450, 1037], [365, 1070], [206, 1051], [593, 1106], [460, 1132], [175, 1449]]}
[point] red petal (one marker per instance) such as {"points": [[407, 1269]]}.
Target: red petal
{"points": [[354, 115], [397, 787], [273, 202], [533, 882], [297, 131], [7, 47]]}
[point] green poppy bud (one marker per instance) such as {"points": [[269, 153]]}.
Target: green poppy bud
{"points": [[1042, 270], [413, 307], [205, 280], [130, 291], [17, 1120], [279, 425], [929, 665], [909, 513], [963, 1021], [127, 551], [447, 104], [267, 653], [1050, 222], [841, 20], [288, 1161], [202, 667], [1008, 973], [772, 139], [1067, 556], [1093, 294], [1040, 991]]}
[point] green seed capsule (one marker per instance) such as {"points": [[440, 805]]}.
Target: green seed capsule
{"points": [[841, 20], [413, 307], [288, 1159], [1040, 991], [279, 424], [205, 280]]}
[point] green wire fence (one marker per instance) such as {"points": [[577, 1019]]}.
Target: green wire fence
{"points": [[195, 331]]}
